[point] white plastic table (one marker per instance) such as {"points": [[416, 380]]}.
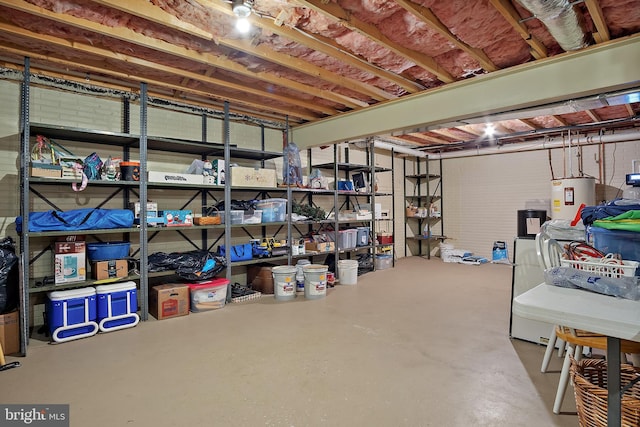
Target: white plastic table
{"points": [[614, 317]]}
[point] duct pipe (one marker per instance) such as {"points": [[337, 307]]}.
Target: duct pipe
{"points": [[399, 149], [543, 144], [561, 20]]}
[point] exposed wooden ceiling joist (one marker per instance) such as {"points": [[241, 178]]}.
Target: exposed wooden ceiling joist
{"points": [[426, 16], [372, 32], [262, 52], [598, 19], [130, 36], [592, 114], [154, 66], [318, 43], [538, 50]]}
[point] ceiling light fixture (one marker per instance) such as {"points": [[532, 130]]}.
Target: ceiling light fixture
{"points": [[489, 130], [241, 9]]}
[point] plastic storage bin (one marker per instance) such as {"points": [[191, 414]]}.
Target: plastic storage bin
{"points": [[363, 236], [117, 306], [625, 243], [254, 217], [72, 314], [209, 295], [273, 210], [237, 217], [383, 262], [105, 251]]}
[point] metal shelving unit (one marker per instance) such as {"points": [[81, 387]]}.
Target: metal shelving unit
{"points": [[144, 143], [346, 200], [415, 225]]}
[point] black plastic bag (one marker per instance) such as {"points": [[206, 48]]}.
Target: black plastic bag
{"points": [[8, 276], [193, 265]]}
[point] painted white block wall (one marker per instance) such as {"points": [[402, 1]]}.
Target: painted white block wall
{"points": [[482, 194]]}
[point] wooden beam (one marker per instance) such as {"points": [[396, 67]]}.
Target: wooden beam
{"points": [[260, 51], [370, 31], [593, 6], [629, 110], [320, 44], [427, 138], [538, 50], [592, 114], [529, 123], [432, 21], [130, 36], [450, 134], [560, 120], [137, 78]]}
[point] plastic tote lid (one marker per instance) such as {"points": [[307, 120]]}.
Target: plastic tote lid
{"points": [[72, 293], [115, 287], [209, 284]]}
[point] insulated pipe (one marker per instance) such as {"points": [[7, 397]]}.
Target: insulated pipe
{"points": [[561, 20], [399, 149], [544, 144]]}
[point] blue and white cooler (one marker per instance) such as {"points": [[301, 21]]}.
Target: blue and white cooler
{"points": [[117, 306], [72, 314]]}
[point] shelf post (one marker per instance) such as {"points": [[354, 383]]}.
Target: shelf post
{"points": [[25, 155], [144, 250]]}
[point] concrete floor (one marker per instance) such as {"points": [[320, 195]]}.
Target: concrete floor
{"points": [[423, 344]]}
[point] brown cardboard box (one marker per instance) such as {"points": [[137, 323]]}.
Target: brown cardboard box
{"points": [[320, 246], [10, 332], [253, 177], [70, 261], [260, 278], [111, 269], [169, 300]]}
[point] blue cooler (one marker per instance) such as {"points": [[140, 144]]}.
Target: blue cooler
{"points": [[71, 314], [117, 306]]}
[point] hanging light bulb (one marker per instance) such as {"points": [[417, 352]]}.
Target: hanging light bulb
{"points": [[243, 25], [240, 9]]}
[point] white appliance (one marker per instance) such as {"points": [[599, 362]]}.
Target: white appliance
{"points": [[527, 274]]}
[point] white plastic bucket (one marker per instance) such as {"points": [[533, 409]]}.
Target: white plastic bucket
{"points": [[348, 272], [284, 282], [315, 281]]}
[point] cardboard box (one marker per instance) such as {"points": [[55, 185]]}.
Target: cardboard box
{"points": [[70, 262], [10, 332], [320, 246], [177, 218], [261, 278], [46, 170], [174, 178], [152, 209], [169, 300], [111, 269], [253, 177]]}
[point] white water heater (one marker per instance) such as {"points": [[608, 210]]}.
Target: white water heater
{"points": [[567, 194]]}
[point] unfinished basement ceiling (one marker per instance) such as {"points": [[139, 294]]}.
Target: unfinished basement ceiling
{"points": [[303, 61]]}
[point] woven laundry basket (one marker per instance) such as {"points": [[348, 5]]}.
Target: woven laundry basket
{"points": [[590, 387]]}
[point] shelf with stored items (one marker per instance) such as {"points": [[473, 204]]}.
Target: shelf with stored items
{"points": [[350, 204], [34, 245], [423, 205]]}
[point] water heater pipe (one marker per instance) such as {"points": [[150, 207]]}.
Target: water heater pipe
{"points": [[543, 144]]}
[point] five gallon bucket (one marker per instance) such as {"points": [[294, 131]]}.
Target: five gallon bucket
{"points": [[348, 271], [284, 282], [315, 281]]}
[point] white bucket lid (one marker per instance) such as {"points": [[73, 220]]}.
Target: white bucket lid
{"points": [[115, 287], [283, 269], [72, 293]]}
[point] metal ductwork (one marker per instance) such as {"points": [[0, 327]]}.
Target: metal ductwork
{"points": [[561, 20]]}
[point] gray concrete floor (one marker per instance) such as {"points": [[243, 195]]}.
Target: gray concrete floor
{"points": [[423, 344]]}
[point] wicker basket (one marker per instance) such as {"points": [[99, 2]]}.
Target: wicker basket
{"points": [[212, 218], [206, 220], [590, 386]]}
